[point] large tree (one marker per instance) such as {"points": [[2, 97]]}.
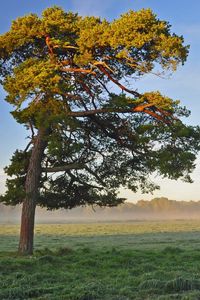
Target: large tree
{"points": [[71, 82]]}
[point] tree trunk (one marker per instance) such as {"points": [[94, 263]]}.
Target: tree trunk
{"points": [[31, 189]]}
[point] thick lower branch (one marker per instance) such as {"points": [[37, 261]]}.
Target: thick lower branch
{"points": [[63, 168], [144, 108]]}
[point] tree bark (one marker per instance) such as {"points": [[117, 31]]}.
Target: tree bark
{"points": [[32, 190]]}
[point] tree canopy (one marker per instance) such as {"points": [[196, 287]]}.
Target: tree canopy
{"points": [[75, 79]]}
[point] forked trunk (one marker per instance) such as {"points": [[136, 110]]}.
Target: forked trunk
{"points": [[31, 189]]}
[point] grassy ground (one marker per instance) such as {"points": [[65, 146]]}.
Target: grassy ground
{"points": [[157, 260]]}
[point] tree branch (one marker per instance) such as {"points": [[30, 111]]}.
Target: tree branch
{"points": [[96, 176], [48, 43], [103, 69], [27, 147], [78, 70], [75, 178], [63, 168], [137, 109]]}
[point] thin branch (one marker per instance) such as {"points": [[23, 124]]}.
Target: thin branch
{"points": [[95, 175], [48, 43], [37, 98], [67, 47], [32, 130], [101, 68], [72, 96], [75, 178], [141, 108], [27, 147], [156, 116], [87, 89], [103, 85], [114, 135], [102, 63], [78, 70]]}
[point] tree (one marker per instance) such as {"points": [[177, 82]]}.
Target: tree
{"points": [[69, 81]]}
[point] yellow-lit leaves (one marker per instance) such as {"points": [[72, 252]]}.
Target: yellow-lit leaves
{"points": [[26, 26], [172, 50], [136, 35], [24, 30], [142, 30], [159, 100], [34, 51], [134, 29], [34, 76], [94, 33], [44, 112], [55, 22]]}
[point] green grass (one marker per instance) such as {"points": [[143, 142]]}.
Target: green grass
{"points": [[157, 260]]}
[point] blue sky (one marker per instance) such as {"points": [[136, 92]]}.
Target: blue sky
{"points": [[183, 15]]}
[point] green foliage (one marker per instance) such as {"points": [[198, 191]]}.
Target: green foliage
{"points": [[17, 169], [57, 70], [19, 164]]}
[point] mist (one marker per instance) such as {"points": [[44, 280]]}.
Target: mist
{"points": [[156, 209]]}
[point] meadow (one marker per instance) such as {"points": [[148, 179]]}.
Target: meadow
{"points": [[103, 261]]}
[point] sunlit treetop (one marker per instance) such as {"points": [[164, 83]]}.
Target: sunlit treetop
{"points": [[42, 55], [137, 35]]}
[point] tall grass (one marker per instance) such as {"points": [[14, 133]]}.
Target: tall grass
{"points": [[101, 274], [149, 265]]}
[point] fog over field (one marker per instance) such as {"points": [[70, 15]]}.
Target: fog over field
{"points": [[156, 209]]}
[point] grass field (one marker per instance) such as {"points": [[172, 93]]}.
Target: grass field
{"points": [[114, 261]]}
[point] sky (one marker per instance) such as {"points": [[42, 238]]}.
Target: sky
{"points": [[183, 15]]}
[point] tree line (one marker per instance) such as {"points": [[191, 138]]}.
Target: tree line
{"points": [[157, 208]]}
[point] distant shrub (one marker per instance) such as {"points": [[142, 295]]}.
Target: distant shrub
{"points": [[63, 251], [172, 250], [44, 251]]}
